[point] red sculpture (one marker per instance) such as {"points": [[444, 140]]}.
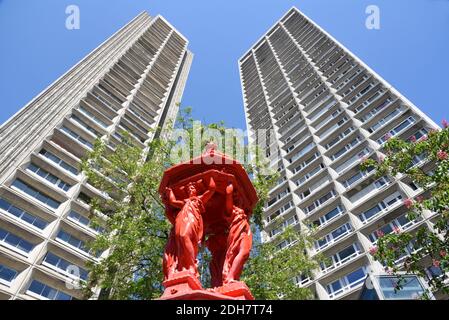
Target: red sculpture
{"points": [[239, 242], [208, 201]]}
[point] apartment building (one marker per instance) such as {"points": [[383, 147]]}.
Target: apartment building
{"points": [[132, 82], [328, 111]]}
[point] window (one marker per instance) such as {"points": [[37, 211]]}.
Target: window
{"points": [[64, 265], [347, 282], [405, 124], [329, 216], [85, 126], [22, 214], [15, 241], [279, 197], [59, 162], [280, 211], [387, 202], [90, 115], [310, 174], [19, 184], [340, 257], [320, 201], [359, 175], [419, 134], [75, 216], [346, 148], [434, 272], [385, 120], [77, 137], [48, 292], [303, 151], [49, 177], [7, 274], [376, 110], [411, 288], [387, 229], [306, 163], [339, 137], [75, 242], [333, 236]]}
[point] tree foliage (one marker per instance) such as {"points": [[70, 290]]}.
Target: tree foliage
{"points": [[270, 271], [430, 245]]}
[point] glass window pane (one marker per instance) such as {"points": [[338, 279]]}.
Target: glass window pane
{"points": [[7, 273], [36, 287], [356, 275], [4, 204]]}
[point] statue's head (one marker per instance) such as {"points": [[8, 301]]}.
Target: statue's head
{"points": [[191, 189]]}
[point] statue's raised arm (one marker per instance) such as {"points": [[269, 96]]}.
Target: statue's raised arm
{"points": [[205, 197], [229, 199], [172, 199]]}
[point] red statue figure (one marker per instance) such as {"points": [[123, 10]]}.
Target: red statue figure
{"points": [[239, 241], [218, 212], [188, 227], [215, 245]]}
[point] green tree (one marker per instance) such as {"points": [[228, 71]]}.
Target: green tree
{"points": [[270, 271], [136, 229], [433, 178]]}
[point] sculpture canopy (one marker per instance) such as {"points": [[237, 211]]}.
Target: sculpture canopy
{"points": [[224, 170]]}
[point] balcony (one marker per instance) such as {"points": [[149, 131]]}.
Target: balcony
{"points": [[366, 190], [353, 160], [333, 128], [341, 258], [333, 237], [322, 111], [347, 283], [398, 130], [387, 204], [306, 163], [317, 185], [347, 148], [320, 202], [301, 153], [323, 122]]}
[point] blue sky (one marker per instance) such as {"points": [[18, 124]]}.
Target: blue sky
{"points": [[410, 50]]}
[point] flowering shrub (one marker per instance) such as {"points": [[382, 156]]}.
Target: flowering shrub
{"points": [[428, 246]]}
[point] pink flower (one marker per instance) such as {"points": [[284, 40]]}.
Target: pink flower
{"points": [[412, 139], [363, 159], [396, 230], [373, 250], [436, 263], [445, 123], [419, 199], [443, 253], [380, 233], [423, 138], [387, 136], [408, 203], [442, 155], [381, 159]]}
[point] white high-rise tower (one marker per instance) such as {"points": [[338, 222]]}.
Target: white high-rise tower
{"points": [[328, 110], [133, 82]]}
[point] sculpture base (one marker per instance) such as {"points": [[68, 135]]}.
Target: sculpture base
{"points": [[184, 286]]}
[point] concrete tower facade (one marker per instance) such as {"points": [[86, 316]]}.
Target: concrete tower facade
{"points": [[133, 82], [328, 111]]}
